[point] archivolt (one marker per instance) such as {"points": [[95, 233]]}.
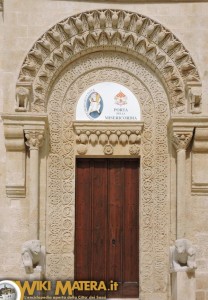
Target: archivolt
{"points": [[100, 30]]}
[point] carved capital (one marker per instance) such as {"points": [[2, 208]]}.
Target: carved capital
{"points": [[15, 127], [34, 138], [181, 140]]}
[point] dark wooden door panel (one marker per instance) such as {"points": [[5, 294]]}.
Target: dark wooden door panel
{"points": [[99, 220], [130, 236], [106, 237], [83, 224], [115, 206]]}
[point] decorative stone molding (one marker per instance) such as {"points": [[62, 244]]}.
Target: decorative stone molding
{"points": [[14, 127], [154, 181], [14, 137], [183, 127], [200, 160], [199, 127], [182, 256], [200, 143], [34, 138], [113, 137], [110, 29], [14, 142], [181, 140], [108, 149]]}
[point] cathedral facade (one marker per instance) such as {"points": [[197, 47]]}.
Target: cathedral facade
{"points": [[104, 145]]}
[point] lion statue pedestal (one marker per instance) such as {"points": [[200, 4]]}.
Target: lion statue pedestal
{"points": [[33, 255], [182, 269]]}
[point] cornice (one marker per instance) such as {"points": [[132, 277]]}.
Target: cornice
{"points": [[186, 125], [189, 121], [24, 118], [15, 124]]}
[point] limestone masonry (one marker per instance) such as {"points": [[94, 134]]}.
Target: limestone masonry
{"points": [[51, 53]]}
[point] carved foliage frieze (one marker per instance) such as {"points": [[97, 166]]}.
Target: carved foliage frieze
{"points": [[109, 29], [120, 134], [181, 140], [154, 175], [34, 138]]}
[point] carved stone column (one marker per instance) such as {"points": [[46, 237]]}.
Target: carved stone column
{"points": [[34, 141], [181, 140]]}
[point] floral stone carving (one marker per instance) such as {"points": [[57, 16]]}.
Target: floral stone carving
{"points": [[108, 149], [109, 136], [181, 140], [67, 89], [34, 138], [109, 29]]}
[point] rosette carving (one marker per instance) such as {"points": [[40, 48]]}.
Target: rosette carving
{"points": [[108, 149], [134, 150], [117, 135]]}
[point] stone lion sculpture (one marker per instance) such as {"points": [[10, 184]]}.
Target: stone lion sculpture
{"points": [[182, 256], [32, 256]]}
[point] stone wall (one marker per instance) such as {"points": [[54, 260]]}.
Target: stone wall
{"points": [[202, 263], [21, 24]]}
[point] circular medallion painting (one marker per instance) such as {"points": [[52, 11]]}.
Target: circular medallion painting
{"points": [[108, 101], [93, 104]]}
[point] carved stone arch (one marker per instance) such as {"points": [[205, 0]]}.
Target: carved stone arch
{"points": [[100, 30], [154, 225], [157, 68]]}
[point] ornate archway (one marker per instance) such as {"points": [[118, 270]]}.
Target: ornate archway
{"points": [[141, 54], [109, 30]]}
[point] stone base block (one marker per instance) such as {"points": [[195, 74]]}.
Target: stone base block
{"points": [[183, 286]]}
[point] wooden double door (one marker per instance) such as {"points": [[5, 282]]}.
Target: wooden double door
{"points": [[107, 226]]}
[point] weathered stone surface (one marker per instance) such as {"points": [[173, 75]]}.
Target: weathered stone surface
{"points": [[51, 52]]}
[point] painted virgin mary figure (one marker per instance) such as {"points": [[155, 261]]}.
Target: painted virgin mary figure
{"points": [[94, 100]]}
